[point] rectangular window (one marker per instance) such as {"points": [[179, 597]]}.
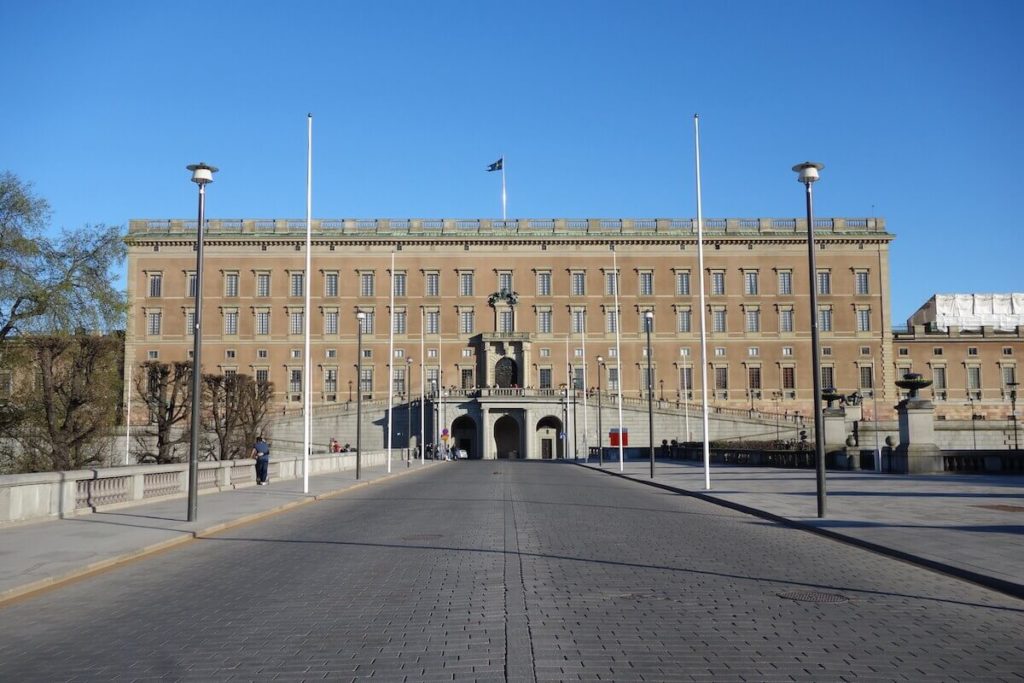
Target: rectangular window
{"points": [[262, 376], [611, 283], [787, 350], [753, 351], [971, 351], [400, 284], [466, 322], [936, 350], [789, 377], [466, 375], [750, 282], [939, 378], [466, 284], [330, 380], [613, 379], [753, 320], [366, 382], [721, 378], [863, 319], [683, 282], [505, 321], [400, 325], [231, 322], [1009, 376], [295, 381], [544, 283], [433, 322], [156, 284], [330, 322], [367, 323], [544, 322], [974, 378], [718, 320], [190, 285], [433, 284], [786, 320], [578, 317], [578, 283], [153, 322], [190, 323], [861, 282], [646, 283], [785, 282], [684, 320], [298, 284], [398, 381], [825, 319], [544, 378], [686, 381], [230, 284], [866, 377], [295, 325], [505, 281], [262, 284], [718, 282], [754, 380], [611, 321], [828, 380], [824, 282], [263, 322], [366, 284], [330, 284]]}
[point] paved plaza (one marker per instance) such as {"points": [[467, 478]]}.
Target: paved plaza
{"points": [[494, 570]]}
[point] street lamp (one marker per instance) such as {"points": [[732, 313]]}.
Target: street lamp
{"points": [[808, 173], [360, 319], [408, 410], [600, 433], [648, 324], [202, 175], [350, 391], [1013, 412], [974, 422], [575, 443], [661, 386]]}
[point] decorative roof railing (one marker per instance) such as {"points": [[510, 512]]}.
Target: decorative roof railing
{"points": [[526, 227]]}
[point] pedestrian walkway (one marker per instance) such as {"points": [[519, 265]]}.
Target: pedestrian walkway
{"points": [[41, 554], [971, 526]]}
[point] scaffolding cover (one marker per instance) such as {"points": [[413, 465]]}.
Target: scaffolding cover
{"points": [[1003, 312]]}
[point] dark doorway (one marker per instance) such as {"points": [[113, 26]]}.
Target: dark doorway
{"points": [[550, 436], [464, 435], [506, 373], [506, 437]]}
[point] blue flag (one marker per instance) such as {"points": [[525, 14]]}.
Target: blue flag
{"points": [[497, 165]]}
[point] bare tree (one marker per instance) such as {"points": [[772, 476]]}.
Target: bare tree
{"points": [[225, 394], [256, 399], [166, 389]]}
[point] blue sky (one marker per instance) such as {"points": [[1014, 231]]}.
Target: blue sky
{"points": [[914, 108]]}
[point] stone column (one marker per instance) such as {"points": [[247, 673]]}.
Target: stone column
{"points": [[834, 422], [917, 452]]}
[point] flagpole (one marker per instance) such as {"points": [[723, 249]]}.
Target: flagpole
{"points": [[307, 397], [128, 419], [504, 196], [618, 352], [586, 448], [423, 378], [703, 324], [391, 358], [568, 386]]}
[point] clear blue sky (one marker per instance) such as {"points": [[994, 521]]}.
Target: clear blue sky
{"points": [[915, 108]]}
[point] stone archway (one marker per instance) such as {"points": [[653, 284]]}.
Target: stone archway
{"points": [[506, 372], [549, 438], [507, 440], [464, 436]]}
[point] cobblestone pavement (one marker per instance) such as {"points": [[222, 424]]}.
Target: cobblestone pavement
{"points": [[514, 571]]}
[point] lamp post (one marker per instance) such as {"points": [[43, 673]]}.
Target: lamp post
{"points": [[648, 324], [1013, 412], [808, 174], [776, 397], [974, 422], [202, 175], [600, 433], [350, 391], [661, 388], [575, 443], [360, 318], [408, 411]]}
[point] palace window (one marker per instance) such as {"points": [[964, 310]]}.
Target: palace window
{"points": [[367, 286], [330, 284], [433, 284], [400, 283], [298, 284], [156, 283], [785, 282], [750, 282], [860, 279], [262, 284], [683, 282], [231, 284], [544, 283]]}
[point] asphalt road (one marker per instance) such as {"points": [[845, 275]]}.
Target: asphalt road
{"points": [[514, 571]]}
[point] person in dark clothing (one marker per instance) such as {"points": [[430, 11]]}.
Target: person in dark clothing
{"points": [[261, 451]]}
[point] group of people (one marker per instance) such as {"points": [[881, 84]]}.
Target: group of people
{"points": [[335, 447]]}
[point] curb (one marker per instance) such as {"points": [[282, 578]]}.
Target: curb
{"points": [[99, 566], [1003, 586]]}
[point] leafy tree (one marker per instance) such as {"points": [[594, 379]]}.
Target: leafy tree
{"points": [[166, 389], [70, 403]]}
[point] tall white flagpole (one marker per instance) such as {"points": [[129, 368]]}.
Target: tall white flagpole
{"points": [[440, 391], [568, 388], [686, 401], [703, 315], [423, 379], [618, 353], [504, 196], [128, 419], [391, 358], [583, 335], [307, 393]]}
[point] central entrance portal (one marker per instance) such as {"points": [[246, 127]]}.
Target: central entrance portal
{"points": [[507, 437], [506, 374]]}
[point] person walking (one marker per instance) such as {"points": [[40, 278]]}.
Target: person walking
{"points": [[261, 451]]}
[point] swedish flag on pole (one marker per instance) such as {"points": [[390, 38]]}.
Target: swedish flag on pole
{"points": [[499, 165]]}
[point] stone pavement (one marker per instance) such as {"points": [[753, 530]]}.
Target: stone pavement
{"points": [[37, 555], [970, 526]]}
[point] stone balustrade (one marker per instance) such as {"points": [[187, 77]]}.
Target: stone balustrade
{"points": [[51, 495]]}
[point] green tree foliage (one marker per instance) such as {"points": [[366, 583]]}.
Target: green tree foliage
{"points": [[70, 402]]}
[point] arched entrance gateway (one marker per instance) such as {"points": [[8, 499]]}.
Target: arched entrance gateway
{"points": [[506, 373], [464, 436], [549, 441], [507, 440]]}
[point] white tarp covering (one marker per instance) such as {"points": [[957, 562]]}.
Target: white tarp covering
{"points": [[1003, 312]]}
